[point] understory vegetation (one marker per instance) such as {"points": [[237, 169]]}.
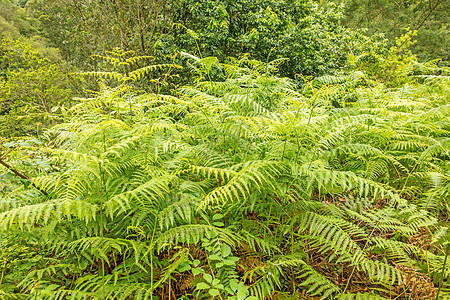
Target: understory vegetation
{"points": [[241, 187], [218, 149]]}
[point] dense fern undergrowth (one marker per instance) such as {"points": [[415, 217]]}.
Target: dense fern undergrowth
{"points": [[242, 186]]}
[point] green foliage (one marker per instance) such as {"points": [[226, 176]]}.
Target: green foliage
{"points": [[309, 36], [240, 184], [32, 81], [306, 34], [14, 21], [392, 68], [239, 187], [17, 24], [391, 18], [31, 88], [83, 28], [124, 71]]}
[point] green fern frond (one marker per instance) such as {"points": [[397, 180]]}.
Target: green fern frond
{"points": [[205, 156], [146, 194], [191, 234], [31, 215], [104, 75], [139, 73], [210, 172], [256, 174], [358, 149], [316, 283], [440, 147], [183, 210]]}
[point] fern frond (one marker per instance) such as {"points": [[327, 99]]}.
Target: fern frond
{"points": [[146, 194], [141, 72], [256, 174], [104, 75], [210, 172], [31, 215], [191, 234], [316, 283], [183, 209]]}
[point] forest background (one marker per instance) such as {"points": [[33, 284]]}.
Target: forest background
{"points": [[218, 149]]}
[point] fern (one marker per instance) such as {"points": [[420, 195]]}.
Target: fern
{"points": [[309, 190]]}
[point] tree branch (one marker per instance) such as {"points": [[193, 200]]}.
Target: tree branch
{"points": [[417, 27], [18, 174]]}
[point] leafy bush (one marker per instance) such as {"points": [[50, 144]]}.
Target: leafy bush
{"points": [[393, 67], [308, 35], [30, 88]]}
